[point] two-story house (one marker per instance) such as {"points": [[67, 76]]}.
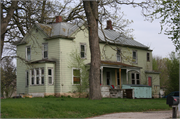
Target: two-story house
{"points": [[47, 47]]}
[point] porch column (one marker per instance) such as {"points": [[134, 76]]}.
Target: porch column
{"points": [[120, 78], [116, 76], [101, 76], [127, 75]]}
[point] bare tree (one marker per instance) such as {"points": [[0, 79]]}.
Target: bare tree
{"points": [[8, 77]]}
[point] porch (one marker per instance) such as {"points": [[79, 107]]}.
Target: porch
{"points": [[116, 74]]}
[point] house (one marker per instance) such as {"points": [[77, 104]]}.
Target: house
{"points": [[46, 50]]}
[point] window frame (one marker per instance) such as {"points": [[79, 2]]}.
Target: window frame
{"points": [[27, 78], [136, 59], [85, 56], [135, 78], [43, 50], [52, 75], [118, 54], [27, 53], [42, 75], [73, 76], [148, 60], [32, 76]]}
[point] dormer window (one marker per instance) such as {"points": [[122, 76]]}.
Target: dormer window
{"points": [[45, 51]]}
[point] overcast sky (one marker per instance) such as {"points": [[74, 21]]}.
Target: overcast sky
{"points": [[147, 33]]}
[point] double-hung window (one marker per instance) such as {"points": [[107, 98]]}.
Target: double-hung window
{"points": [[148, 56], [135, 78], [37, 76], [28, 53], [45, 51], [27, 78], [118, 54], [76, 76], [83, 50], [32, 76], [134, 56], [50, 75], [42, 75]]}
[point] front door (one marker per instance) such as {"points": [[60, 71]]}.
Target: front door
{"points": [[108, 78], [149, 81]]}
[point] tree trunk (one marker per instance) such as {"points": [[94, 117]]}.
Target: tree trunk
{"points": [[5, 21], [91, 10]]}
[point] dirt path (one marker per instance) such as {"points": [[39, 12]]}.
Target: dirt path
{"points": [[138, 115]]}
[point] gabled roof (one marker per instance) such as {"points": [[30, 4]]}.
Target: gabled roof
{"points": [[118, 38], [59, 29], [65, 30]]}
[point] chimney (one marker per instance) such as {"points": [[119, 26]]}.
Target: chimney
{"points": [[109, 25], [58, 19]]}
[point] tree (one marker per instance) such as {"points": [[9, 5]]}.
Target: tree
{"points": [[5, 19], [168, 12], [173, 73], [160, 65], [8, 77], [91, 10]]}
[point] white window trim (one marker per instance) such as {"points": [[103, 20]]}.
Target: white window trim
{"points": [[52, 71], [38, 76], [43, 51], [135, 62], [85, 54], [41, 75], [73, 76], [135, 78], [35, 77], [119, 55], [26, 53]]}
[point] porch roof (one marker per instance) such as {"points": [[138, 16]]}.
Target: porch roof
{"points": [[118, 65]]}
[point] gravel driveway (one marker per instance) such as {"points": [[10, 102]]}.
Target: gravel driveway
{"points": [[137, 115]]}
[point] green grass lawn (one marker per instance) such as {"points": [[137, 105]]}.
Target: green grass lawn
{"points": [[75, 107]]}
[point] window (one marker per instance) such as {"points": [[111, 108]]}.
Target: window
{"points": [[27, 78], [50, 75], [76, 76], [28, 53], [148, 56], [45, 50], [135, 78], [134, 56], [37, 76], [32, 76], [118, 54], [42, 75], [108, 77], [83, 50]]}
